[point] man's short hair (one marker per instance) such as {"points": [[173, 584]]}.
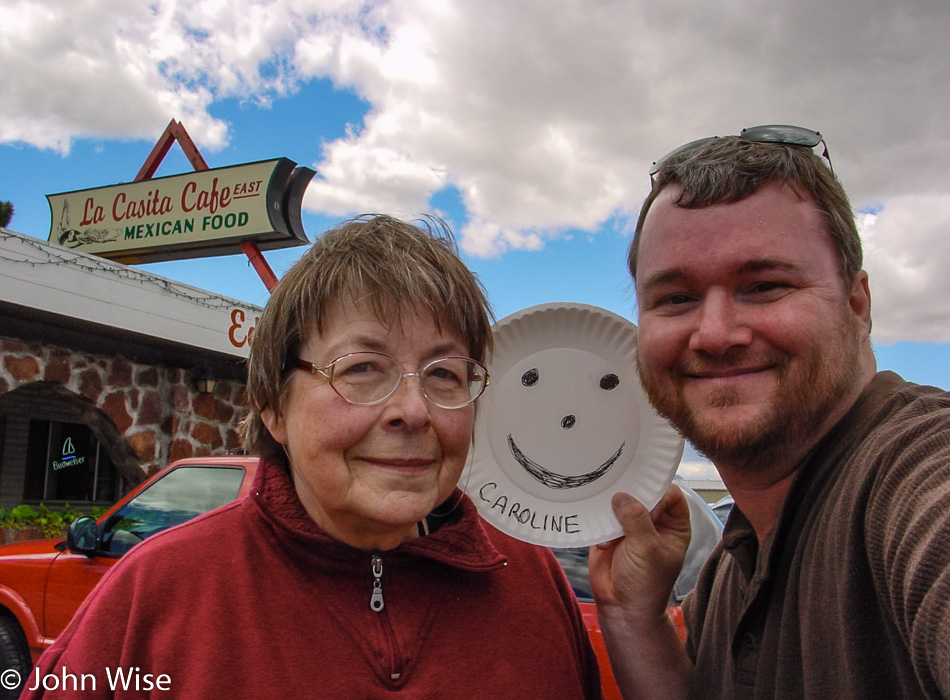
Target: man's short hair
{"points": [[731, 168], [381, 263]]}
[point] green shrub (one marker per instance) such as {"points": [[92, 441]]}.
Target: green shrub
{"points": [[52, 523]]}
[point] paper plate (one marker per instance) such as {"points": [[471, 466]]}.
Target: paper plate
{"points": [[564, 425]]}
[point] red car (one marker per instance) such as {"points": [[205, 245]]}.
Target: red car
{"points": [[43, 582]]}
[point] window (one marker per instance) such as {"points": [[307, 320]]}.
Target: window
{"points": [[179, 496], [65, 462]]}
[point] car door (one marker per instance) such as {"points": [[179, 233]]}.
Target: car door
{"points": [[181, 494]]}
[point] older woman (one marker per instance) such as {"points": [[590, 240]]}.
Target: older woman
{"points": [[357, 569]]}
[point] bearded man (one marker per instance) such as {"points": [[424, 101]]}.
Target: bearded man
{"points": [[833, 576]]}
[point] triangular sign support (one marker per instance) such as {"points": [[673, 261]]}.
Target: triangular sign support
{"points": [[175, 131]]}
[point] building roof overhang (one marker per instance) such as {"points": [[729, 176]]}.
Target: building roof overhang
{"points": [[64, 297]]}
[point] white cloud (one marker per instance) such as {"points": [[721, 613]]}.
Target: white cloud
{"points": [[542, 120], [907, 247], [696, 466], [698, 471], [91, 68], [487, 239], [95, 68], [360, 178]]}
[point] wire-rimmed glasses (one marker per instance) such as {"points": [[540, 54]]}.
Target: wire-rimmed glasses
{"points": [[369, 378]]}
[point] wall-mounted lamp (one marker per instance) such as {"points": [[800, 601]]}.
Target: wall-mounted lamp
{"points": [[204, 383]]}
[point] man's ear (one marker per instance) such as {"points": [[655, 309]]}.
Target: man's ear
{"points": [[860, 300], [275, 425]]}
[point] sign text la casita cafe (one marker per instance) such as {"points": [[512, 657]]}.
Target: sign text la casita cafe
{"points": [[198, 214]]}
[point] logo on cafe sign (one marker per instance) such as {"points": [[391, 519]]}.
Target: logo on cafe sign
{"points": [[198, 214]]}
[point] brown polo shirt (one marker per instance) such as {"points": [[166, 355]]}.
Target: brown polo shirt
{"points": [[849, 596]]}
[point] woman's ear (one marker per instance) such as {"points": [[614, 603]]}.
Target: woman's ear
{"points": [[275, 425]]}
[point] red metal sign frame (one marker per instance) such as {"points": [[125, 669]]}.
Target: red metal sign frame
{"points": [[175, 131]]}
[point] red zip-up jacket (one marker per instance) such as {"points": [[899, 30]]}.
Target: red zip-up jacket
{"points": [[253, 600]]}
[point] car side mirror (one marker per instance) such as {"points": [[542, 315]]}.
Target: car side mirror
{"points": [[82, 534]]}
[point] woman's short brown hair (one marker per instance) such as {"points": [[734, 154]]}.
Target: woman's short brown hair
{"points": [[394, 268]]}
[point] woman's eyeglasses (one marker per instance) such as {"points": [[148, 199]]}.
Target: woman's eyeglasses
{"points": [[767, 133], [369, 378]]}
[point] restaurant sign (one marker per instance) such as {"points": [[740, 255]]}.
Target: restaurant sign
{"points": [[198, 214]]}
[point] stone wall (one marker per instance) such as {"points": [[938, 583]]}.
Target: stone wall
{"points": [[156, 409]]}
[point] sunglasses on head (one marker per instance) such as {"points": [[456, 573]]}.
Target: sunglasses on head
{"points": [[767, 133]]}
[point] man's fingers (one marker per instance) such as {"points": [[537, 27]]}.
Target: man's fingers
{"points": [[671, 514], [636, 572], [633, 516]]}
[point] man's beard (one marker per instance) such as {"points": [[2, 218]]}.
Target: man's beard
{"points": [[800, 405]]}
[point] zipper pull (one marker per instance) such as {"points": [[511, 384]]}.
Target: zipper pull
{"points": [[376, 600]]}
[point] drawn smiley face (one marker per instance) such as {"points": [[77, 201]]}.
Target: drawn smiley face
{"points": [[566, 417], [564, 425]]}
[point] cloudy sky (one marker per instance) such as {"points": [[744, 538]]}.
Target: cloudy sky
{"points": [[528, 124]]}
